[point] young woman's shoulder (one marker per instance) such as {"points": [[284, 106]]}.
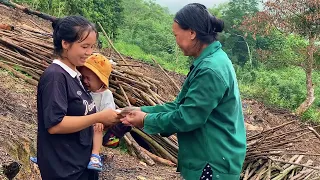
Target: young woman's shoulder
{"points": [[53, 73]]}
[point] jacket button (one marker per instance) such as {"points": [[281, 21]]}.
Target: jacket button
{"points": [[217, 176]]}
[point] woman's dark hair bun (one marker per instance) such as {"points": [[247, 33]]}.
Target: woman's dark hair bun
{"points": [[217, 24], [55, 23]]}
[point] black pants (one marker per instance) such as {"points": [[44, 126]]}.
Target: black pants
{"points": [[207, 173], [90, 175]]}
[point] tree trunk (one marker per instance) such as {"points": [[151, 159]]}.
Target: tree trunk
{"points": [[310, 87]]}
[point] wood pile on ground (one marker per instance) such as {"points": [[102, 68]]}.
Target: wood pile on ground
{"points": [[26, 52]]}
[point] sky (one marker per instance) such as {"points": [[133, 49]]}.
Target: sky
{"points": [[175, 5]]}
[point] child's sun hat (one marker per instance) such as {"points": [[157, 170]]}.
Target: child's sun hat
{"points": [[100, 65]]}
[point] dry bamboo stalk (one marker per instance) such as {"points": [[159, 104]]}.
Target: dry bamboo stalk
{"points": [[132, 65], [269, 130], [288, 170], [119, 103], [46, 51], [125, 95], [154, 96], [174, 83], [33, 49], [10, 42], [314, 132], [139, 152], [19, 57], [303, 171], [141, 75], [155, 144], [110, 42], [286, 162], [28, 28], [29, 72], [133, 81], [22, 66], [246, 175], [158, 159], [18, 74], [38, 26], [39, 43]]}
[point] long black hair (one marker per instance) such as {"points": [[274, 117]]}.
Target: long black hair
{"points": [[70, 29], [196, 17]]}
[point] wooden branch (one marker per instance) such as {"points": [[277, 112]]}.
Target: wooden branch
{"points": [[155, 144], [286, 162], [174, 83], [125, 95], [111, 44], [28, 11], [18, 74], [314, 132], [139, 152], [158, 159]]}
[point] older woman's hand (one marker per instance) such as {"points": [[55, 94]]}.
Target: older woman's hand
{"points": [[134, 118], [125, 111]]}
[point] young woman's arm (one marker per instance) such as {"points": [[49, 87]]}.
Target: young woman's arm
{"points": [[107, 117]]}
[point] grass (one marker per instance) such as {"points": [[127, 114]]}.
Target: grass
{"points": [[167, 61]]}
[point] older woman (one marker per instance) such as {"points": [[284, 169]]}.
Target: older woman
{"points": [[207, 114]]}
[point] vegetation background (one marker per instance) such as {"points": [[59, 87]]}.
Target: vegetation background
{"points": [[272, 60]]}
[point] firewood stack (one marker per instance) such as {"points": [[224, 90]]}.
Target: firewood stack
{"points": [[26, 52]]}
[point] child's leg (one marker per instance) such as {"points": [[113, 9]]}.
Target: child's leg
{"points": [[97, 142], [95, 160]]}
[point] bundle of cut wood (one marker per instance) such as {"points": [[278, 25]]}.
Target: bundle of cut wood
{"points": [[27, 51], [272, 154]]}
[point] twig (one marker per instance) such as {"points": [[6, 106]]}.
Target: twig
{"points": [[286, 162], [174, 83]]}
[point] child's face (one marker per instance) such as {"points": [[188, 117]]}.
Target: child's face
{"points": [[90, 79]]}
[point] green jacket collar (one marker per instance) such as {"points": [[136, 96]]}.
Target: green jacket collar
{"points": [[212, 48]]}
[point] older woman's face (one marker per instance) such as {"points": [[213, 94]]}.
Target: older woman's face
{"points": [[185, 39]]}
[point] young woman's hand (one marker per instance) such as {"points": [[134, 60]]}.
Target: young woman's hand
{"points": [[109, 117]]}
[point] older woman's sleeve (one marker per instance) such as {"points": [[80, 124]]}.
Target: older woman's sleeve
{"points": [[167, 107], [206, 90]]}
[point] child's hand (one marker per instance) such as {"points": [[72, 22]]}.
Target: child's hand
{"points": [[98, 127]]}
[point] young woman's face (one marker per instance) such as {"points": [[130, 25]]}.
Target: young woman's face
{"points": [[90, 79], [185, 39], [79, 51]]}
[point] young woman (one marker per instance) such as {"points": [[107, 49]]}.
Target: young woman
{"points": [[66, 111], [207, 114]]}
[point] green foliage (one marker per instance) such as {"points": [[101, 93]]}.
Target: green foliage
{"points": [[107, 12], [283, 88], [136, 52], [52, 7]]}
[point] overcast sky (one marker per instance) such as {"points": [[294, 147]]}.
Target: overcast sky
{"points": [[175, 5]]}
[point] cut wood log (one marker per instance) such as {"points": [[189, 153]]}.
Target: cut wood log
{"points": [[28, 11], [18, 74], [139, 152]]}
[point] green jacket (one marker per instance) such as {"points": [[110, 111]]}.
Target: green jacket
{"points": [[207, 117]]}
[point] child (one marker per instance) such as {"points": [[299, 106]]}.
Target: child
{"points": [[95, 77]]}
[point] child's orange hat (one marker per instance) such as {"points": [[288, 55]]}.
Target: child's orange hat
{"points": [[100, 65]]}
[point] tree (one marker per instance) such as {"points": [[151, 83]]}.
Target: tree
{"points": [[301, 17], [233, 39], [107, 12]]}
